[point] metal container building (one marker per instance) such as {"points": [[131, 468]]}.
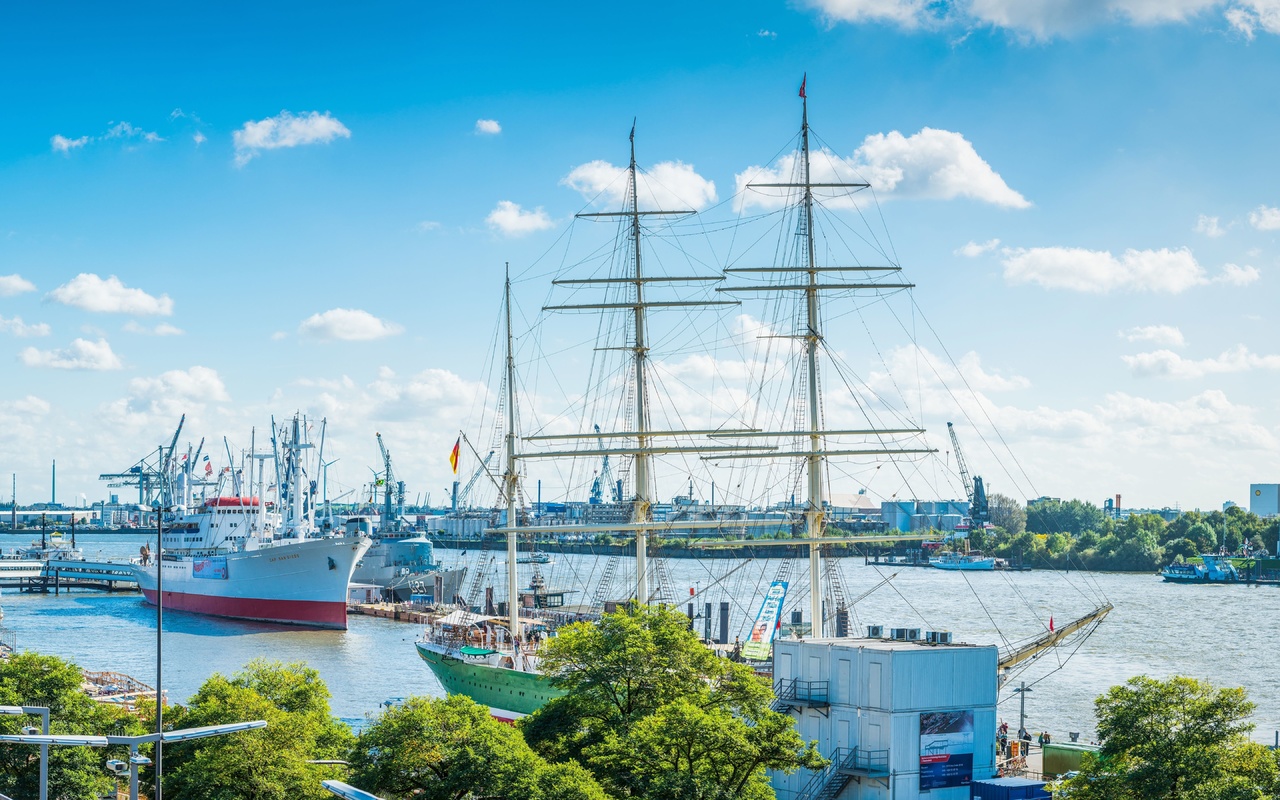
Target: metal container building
{"points": [[1010, 789], [897, 719], [1264, 499]]}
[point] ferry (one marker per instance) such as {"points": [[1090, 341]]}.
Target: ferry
{"points": [[1214, 569], [972, 561]]}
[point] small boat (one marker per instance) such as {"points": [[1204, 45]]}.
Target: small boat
{"points": [[1214, 569], [972, 561], [535, 557]]}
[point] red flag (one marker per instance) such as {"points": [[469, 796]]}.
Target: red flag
{"points": [[453, 456], [1051, 623], [803, 81]]}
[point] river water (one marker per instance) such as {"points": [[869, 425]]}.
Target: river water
{"points": [[1218, 633]]}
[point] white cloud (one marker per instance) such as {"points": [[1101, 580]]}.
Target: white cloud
{"points": [[123, 130], [62, 144], [199, 138], [163, 329], [1265, 218], [82, 354], [1237, 276], [765, 33], [488, 127], [1100, 272], [905, 13], [1209, 226], [286, 130], [1156, 334], [667, 185], [1168, 364], [510, 219], [194, 385], [15, 284], [92, 293], [974, 249], [932, 164], [21, 329], [1045, 19], [1247, 16], [348, 325], [428, 225]]}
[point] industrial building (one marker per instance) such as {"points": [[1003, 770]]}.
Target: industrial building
{"points": [[1264, 499], [900, 717]]}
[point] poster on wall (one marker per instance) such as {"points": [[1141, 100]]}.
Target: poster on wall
{"points": [[210, 568], [946, 749], [759, 645]]}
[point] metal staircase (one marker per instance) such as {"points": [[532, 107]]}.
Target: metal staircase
{"points": [[601, 593], [847, 764]]}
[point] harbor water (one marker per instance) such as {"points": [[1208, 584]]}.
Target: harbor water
{"points": [[1217, 633]]}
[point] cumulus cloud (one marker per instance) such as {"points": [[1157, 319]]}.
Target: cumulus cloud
{"points": [[765, 33], [62, 144], [93, 293], [21, 329], [1045, 19], [510, 219], [15, 284], [1168, 364], [199, 138], [1237, 276], [81, 354], [488, 127], [163, 329], [1265, 218], [348, 325], [667, 185], [932, 164], [286, 130], [1209, 226], [1098, 271], [123, 130], [975, 249], [1156, 334]]}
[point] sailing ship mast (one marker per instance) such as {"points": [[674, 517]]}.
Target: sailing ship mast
{"points": [[510, 478], [815, 456]]}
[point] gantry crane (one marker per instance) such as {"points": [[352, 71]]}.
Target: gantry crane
{"points": [[604, 478], [979, 510]]}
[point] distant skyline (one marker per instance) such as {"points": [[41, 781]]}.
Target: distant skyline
{"points": [[243, 211]]}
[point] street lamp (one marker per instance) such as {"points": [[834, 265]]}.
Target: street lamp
{"points": [[348, 792], [159, 556], [186, 734], [14, 711], [1021, 691]]}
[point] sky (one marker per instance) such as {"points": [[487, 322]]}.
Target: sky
{"points": [[241, 211]]}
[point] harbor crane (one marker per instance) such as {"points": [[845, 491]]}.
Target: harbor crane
{"points": [[604, 478], [979, 510], [460, 498], [392, 489]]}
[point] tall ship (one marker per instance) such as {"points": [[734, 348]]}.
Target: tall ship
{"points": [[491, 654], [234, 555]]}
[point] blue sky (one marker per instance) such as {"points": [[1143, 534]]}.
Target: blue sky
{"points": [[306, 198]]}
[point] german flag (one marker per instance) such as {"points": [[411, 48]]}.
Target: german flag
{"points": [[453, 455]]}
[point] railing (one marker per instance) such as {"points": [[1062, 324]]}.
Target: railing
{"points": [[865, 762], [795, 692]]}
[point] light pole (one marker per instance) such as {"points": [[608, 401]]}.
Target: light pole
{"points": [[43, 712], [347, 792], [1021, 691], [186, 734], [159, 650]]}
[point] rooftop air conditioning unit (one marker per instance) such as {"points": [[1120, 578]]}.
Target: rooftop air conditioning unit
{"points": [[898, 634], [938, 637], [875, 631], [913, 634]]}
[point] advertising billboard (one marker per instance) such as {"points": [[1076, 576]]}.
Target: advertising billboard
{"points": [[946, 749], [215, 568], [759, 644]]}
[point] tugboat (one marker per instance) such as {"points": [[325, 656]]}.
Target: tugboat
{"points": [[1214, 569], [972, 560]]}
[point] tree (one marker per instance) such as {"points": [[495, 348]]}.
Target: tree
{"points": [[447, 749], [266, 764], [1179, 738], [74, 772], [1007, 513], [652, 712]]}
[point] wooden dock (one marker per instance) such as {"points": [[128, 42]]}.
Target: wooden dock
{"points": [[400, 612]]}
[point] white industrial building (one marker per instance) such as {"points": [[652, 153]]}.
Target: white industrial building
{"points": [[877, 706], [1264, 499]]}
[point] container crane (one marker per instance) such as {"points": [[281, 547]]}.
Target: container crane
{"points": [[605, 478], [979, 510], [460, 498], [391, 490]]}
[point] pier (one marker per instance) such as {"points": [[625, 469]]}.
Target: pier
{"points": [[67, 574]]}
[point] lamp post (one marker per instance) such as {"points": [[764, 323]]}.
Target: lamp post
{"points": [[43, 713], [347, 792], [186, 734], [1021, 691], [159, 649]]}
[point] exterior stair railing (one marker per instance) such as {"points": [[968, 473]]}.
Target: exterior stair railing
{"points": [[846, 764], [794, 693]]}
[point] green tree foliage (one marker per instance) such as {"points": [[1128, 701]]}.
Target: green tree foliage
{"points": [[1179, 738], [266, 764], [653, 713], [1054, 516], [448, 749], [1007, 514], [31, 679]]}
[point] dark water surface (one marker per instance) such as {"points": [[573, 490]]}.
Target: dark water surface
{"points": [[1219, 633]]}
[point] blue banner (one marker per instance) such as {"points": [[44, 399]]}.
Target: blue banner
{"points": [[946, 749]]}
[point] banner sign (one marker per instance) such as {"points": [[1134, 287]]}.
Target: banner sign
{"points": [[946, 749], [759, 644], [215, 568]]}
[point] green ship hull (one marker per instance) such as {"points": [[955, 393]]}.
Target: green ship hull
{"points": [[509, 694]]}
